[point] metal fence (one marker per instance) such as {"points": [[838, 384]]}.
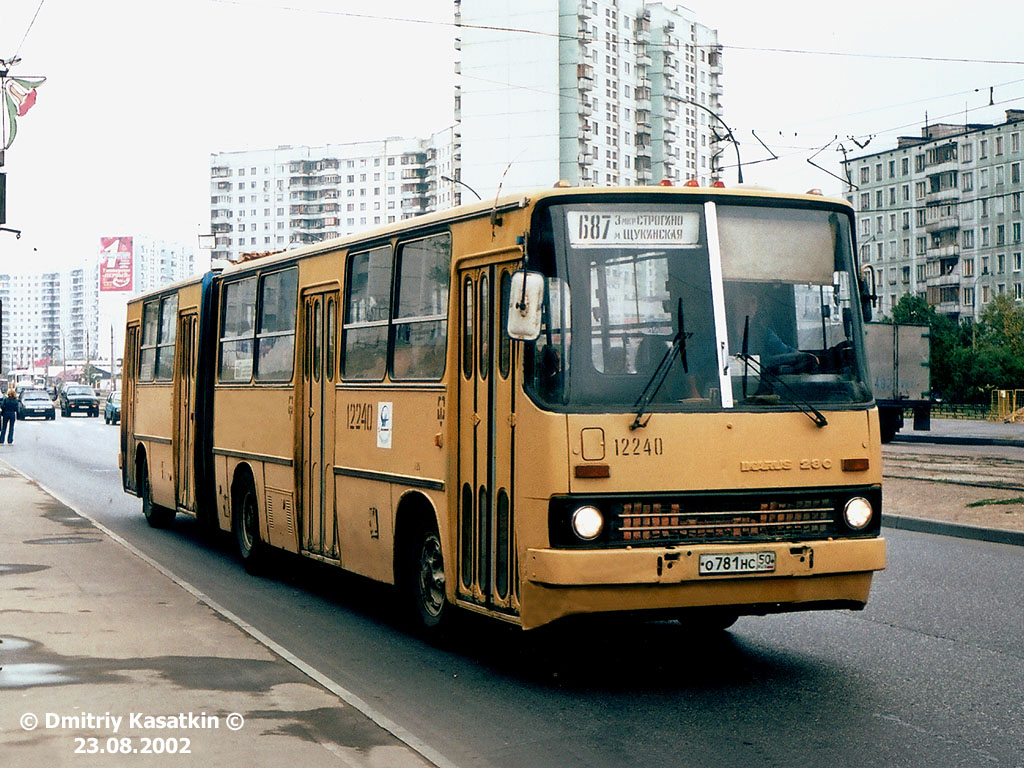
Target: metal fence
{"points": [[1007, 405]]}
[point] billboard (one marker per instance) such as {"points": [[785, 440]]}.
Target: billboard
{"points": [[116, 263]]}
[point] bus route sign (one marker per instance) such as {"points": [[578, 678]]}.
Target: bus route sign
{"points": [[592, 229]]}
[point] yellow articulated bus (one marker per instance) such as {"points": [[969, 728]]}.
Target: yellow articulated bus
{"points": [[644, 401]]}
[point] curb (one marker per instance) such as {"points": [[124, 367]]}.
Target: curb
{"points": [[958, 440], [920, 525]]}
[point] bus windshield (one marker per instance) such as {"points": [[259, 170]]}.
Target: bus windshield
{"points": [[696, 307]]}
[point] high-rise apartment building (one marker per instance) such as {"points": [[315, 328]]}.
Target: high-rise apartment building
{"points": [[63, 315], [36, 325], [940, 215], [595, 92], [269, 200]]}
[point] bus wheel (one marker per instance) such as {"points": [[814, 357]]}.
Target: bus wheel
{"points": [[425, 581], [156, 516], [247, 530]]}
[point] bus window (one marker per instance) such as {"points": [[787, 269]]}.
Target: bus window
{"points": [[485, 327], [504, 342], [165, 347], [367, 307], [150, 334], [421, 309], [275, 339], [332, 322], [238, 315], [156, 359], [468, 324]]}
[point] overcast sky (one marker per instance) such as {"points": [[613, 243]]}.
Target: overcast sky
{"points": [[139, 93]]}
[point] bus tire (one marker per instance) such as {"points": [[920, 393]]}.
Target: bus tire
{"points": [[246, 524], [156, 515], [424, 582]]}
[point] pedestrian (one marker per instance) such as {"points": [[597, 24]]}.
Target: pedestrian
{"points": [[9, 414]]}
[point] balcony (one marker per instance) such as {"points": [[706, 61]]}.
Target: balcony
{"points": [[949, 193], [947, 251], [942, 166], [941, 223]]}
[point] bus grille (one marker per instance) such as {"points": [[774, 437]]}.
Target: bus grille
{"points": [[641, 522], [780, 514]]}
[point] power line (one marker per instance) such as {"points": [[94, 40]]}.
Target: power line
{"points": [[30, 24], [889, 56], [401, 19]]}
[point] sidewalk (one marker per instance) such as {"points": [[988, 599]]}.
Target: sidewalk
{"points": [[102, 656], [964, 432]]}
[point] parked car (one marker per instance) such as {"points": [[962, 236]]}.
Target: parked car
{"points": [[35, 402], [79, 397], [112, 408]]}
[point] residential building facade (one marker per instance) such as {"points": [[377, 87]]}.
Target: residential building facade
{"points": [[31, 317], [940, 216], [595, 92], [58, 316], [269, 200]]}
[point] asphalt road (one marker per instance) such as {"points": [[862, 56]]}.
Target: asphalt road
{"points": [[930, 674]]}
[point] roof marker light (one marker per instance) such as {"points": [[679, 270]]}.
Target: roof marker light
{"points": [[719, 184], [665, 183], [691, 183]]}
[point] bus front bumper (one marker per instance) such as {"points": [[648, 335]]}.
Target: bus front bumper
{"points": [[818, 574]]}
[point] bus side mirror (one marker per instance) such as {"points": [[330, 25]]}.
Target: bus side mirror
{"points": [[526, 298], [868, 295]]}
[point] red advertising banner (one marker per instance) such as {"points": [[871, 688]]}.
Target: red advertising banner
{"points": [[116, 262]]}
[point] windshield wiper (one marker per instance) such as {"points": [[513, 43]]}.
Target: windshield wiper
{"points": [[793, 398], [650, 391]]}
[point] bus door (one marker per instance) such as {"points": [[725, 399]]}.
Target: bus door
{"points": [[185, 402], [319, 373], [129, 373], [486, 548]]}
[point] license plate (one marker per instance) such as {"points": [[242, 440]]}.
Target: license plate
{"points": [[743, 562]]}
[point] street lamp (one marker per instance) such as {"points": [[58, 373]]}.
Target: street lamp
{"points": [[728, 130]]}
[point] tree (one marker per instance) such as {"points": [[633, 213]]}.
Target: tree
{"points": [[1003, 322]]}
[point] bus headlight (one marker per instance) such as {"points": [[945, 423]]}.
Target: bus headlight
{"points": [[587, 523], [857, 513]]}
